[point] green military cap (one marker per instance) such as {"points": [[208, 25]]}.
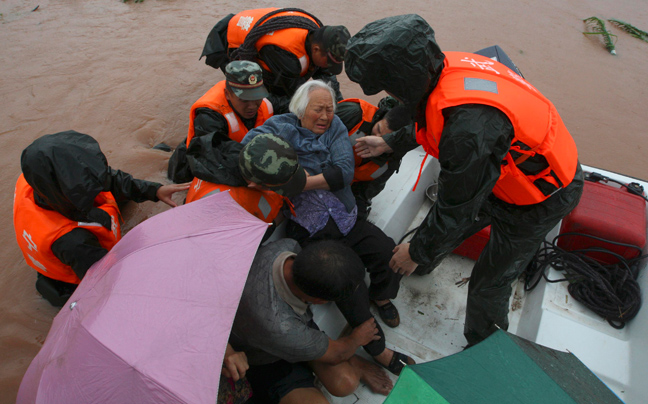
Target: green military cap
{"points": [[245, 80], [335, 38], [270, 161]]}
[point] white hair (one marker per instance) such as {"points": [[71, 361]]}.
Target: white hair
{"points": [[300, 100]]}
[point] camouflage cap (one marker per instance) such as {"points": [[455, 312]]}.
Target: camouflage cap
{"points": [[335, 38], [245, 80], [270, 161]]}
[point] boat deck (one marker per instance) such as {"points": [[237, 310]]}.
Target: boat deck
{"points": [[432, 307]]}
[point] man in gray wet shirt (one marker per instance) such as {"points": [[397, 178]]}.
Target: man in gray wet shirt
{"points": [[274, 324]]}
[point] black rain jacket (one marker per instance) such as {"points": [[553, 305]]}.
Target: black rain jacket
{"points": [[401, 56], [67, 170]]}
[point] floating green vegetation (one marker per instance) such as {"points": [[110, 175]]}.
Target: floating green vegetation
{"points": [[634, 31], [596, 26]]}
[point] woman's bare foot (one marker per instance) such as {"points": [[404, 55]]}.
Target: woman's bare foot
{"points": [[372, 375]]}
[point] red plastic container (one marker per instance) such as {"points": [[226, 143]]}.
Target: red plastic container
{"points": [[610, 213], [474, 245]]}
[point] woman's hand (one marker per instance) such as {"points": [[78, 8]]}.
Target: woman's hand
{"points": [[165, 192], [315, 182]]}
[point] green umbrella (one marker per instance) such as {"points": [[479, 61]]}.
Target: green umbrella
{"points": [[502, 369]]}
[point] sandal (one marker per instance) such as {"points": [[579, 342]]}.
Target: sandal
{"points": [[389, 314], [398, 362]]}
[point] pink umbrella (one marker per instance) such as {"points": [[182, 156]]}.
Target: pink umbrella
{"points": [[150, 321]]}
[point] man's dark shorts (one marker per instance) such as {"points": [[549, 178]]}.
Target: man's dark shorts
{"points": [[271, 382]]}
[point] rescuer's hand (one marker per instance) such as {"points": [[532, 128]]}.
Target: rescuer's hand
{"points": [[165, 192], [401, 261], [371, 146]]}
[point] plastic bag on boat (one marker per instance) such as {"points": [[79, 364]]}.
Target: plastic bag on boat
{"points": [[215, 163], [216, 44]]}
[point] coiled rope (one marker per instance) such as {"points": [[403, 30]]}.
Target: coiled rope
{"points": [[247, 50], [611, 291]]}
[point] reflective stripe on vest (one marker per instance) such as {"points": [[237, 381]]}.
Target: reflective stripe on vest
{"points": [[215, 99], [268, 106], [37, 229], [473, 79], [232, 122], [355, 136], [265, 205], [303, 62], [369, 171], [380, 171], [290, 39]]}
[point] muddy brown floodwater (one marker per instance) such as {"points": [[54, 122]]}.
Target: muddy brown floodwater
{"points": [[127, 74]]}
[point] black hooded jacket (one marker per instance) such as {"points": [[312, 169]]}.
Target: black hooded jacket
{"points": [[67, 170], [401, 56], [284, 75]]}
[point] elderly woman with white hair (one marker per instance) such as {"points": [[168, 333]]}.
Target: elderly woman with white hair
{"points": [[322, 144], [327, 210]]}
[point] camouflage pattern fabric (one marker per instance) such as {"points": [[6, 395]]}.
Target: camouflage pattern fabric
{"points": [[335, 41], [245, 80], [271, 161]]}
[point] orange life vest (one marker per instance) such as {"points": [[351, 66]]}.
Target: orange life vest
{"points": [[37, 229], [265, 205], [368, 171], [215, 99], [290, 39], [473, 79]]}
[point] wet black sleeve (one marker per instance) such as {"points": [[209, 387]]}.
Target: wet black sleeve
{"points": [[207, 121], [474, 141], [178, 170], [126, 188], [334, 178], [350, 113], [403, 140], [78, 249], [285, 69]]}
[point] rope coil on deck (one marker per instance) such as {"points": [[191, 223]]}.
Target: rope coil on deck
{"points": [[611, 291]]}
